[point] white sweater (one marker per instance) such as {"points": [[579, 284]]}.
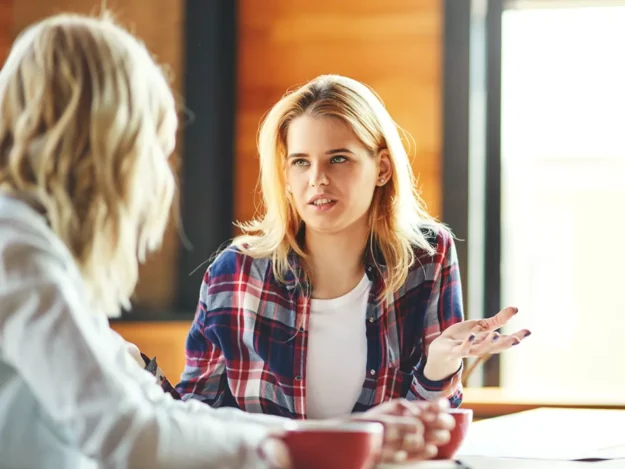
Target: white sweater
{"points": [[71, 396]]}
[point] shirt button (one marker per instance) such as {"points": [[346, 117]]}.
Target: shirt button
{"points": [[301, 329], [371, 319], [369, 269], [372, 372], [298, 378]]}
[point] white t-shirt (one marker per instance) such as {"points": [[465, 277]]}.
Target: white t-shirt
{"points": [[337, 353]]}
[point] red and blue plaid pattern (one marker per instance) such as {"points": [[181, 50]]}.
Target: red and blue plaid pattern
{"points": [[247, 344]]}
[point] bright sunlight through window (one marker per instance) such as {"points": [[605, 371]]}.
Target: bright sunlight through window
{"points": [[563, 190]]}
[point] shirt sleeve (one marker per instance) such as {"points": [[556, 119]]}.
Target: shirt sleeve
{"points": [[444, 309], [88, 383], [204, 376]]}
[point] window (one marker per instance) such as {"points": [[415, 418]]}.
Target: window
{"points": [[562, 191], [534, 179]]}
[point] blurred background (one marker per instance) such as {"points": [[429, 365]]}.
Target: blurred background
{"points": [[516, 111]]}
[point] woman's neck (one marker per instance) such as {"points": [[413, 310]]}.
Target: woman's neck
{"points": [[335, 261]]}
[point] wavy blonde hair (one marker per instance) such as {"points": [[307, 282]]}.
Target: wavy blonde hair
{"points": [[87, 123], [398, 218]]}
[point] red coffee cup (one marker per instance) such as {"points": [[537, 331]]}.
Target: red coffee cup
{"points": [[348, 445], [463, 418]]}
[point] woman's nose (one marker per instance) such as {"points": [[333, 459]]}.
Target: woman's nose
{"points": [[318, 177]]}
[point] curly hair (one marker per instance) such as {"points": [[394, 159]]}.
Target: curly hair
{"points": [[87, 124]]}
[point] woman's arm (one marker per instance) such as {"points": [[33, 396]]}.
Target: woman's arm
{"points": [[443, 310], [193, 406], [204, 376], [90, 384]]}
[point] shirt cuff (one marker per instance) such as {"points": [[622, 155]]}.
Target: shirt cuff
{"points": [[430, 390]]}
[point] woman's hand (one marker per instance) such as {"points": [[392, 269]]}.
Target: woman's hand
{"points": [[412, 429], [134, 352], [274, 452], [469, 338]]}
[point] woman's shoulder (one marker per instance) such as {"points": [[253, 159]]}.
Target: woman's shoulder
{"points": [[236, 280], [440, 241], [234, 268], [235, 260], [28, 247]]}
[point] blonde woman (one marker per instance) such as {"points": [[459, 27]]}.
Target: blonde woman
{"points": [[346, 293]]}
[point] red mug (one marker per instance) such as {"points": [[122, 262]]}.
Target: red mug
{"points": [[463, 418], [348, 445]]}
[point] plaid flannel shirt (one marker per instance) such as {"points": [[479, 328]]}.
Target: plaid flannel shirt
{"points": [[247, 345]]}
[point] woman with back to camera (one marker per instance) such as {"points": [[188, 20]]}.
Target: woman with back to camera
{"points": [[346, 293], [87, 123]]}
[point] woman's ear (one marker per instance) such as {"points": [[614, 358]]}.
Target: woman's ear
{"points": [[385, 168]]}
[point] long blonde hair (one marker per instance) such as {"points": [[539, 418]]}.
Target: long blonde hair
{"points": [[398, 217], [87, 123]]}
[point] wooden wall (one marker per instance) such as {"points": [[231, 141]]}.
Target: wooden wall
{"points": [[161, 339], [394, 46], [6, 26], [159, 24]]}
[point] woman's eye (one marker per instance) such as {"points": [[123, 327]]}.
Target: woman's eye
{"points": [[299, 162], [338, 159]]}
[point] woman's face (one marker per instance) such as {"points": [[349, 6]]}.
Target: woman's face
{"points": [[330, 174]]}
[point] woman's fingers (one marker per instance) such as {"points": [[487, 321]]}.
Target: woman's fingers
{"points": [[443, 421], [498, 320], [404, 438], [438, 421], [275, 453], [476, 344], [396, 428], [489, 342], [437, 437], [416, 434], [513, 339], [428, 451], [413, 442], [498, 343], [398, 443], [463, 349]]}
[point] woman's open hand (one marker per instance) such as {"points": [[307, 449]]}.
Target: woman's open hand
{"points": [[470, 338]]}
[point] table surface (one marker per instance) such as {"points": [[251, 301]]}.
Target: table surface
{"points": [[475, 462], [524, 434]]}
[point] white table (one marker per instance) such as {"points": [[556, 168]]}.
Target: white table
{"points": [[549, 438], [541, 439], [475, 462]]}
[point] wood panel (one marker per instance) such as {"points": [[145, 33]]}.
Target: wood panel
{"points": [[6, 27], [163, 339], [394, 46], [159, 24], [493, 401]]}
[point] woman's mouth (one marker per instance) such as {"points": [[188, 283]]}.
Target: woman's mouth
{"points": [[322, 204]]}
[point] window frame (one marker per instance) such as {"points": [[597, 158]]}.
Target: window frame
{"points": [[472, 134], [208, 124]]}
